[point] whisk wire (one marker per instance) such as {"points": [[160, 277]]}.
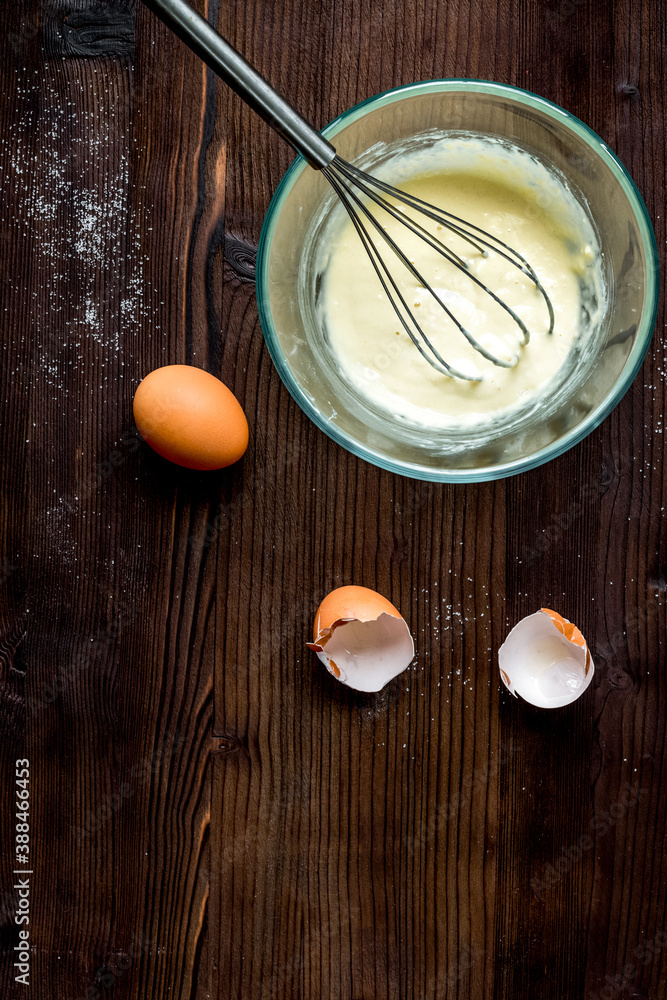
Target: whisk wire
{"points": [[380, 266], [345, 192], [348, 196], [449, 255], [474, 235]]}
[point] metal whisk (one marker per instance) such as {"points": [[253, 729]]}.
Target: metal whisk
{"points": [[358, 191]]}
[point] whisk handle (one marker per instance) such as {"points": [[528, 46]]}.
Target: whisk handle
{"points": [[224, 60]]}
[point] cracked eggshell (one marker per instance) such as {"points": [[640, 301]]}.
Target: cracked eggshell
{"points": [[546, 660], [361, 638]]}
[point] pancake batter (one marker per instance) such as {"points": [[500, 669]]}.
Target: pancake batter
{"points": [[507, 193]]}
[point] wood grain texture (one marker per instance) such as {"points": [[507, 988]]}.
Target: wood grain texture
{"points": [[213, 815], [114, 589]]}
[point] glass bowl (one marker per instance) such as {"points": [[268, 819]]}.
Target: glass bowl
{"points": [[587, 392]]}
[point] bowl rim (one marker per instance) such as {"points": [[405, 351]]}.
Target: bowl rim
{"points": [[595, 417]]}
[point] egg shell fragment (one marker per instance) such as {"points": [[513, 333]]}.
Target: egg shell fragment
{"points": [[361, 638], [546, 660], [190, 417]]}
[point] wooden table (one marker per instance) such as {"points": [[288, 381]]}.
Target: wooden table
{"points": [[211, 815]]}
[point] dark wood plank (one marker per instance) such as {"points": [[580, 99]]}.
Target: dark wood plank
{"points": [[354, 858], [377, 895], [111, 198], [584, 888], [423, 843]]}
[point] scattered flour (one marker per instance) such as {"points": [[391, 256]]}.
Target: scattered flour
{"points": [[71, 199], [60, 521]]}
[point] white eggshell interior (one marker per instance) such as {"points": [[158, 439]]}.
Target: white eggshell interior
{"points": [[369, 654], [542, 666]]}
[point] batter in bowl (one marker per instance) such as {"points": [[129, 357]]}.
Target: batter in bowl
{"points": [[509, 194]]}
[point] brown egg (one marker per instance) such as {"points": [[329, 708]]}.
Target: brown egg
{"points": [[190, 417]]}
